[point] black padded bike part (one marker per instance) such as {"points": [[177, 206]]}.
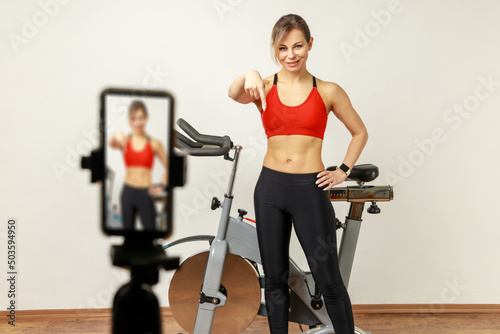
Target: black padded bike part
{"points": [[363, 172]]}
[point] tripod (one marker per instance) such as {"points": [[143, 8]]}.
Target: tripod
{"points": [[135, 307]]}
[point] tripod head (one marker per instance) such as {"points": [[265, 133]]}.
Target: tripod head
{"points": [[144, 257]]}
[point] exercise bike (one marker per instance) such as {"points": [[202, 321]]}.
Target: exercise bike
{"points": [[220, 290]]}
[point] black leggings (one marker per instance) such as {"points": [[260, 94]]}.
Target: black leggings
{"points": [[137, 200], [282, 199]]}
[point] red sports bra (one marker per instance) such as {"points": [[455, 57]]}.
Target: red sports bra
{"points": [[308, 118], [143, 158]]}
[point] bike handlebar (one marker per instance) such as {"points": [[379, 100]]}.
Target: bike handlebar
{"points": [[197, 147]]}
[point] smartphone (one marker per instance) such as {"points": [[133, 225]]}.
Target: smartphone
{"points": [[137, 140]]}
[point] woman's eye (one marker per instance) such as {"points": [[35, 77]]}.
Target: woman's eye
{"points": [[298, 46], [282, 48]]}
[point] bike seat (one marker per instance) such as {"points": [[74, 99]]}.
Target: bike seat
{"points": [[363, 172]]}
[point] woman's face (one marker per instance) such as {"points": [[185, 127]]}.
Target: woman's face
{"points": [[138, 120], [293, 50]]}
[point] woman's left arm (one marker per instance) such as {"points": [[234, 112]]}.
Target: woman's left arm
{"points": [[162, 155], [341, 106]]}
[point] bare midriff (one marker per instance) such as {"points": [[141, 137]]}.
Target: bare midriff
{"points": [[138, 177], [295, 154]]}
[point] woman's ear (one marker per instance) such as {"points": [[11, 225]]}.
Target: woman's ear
{"points": [[310, 44]]}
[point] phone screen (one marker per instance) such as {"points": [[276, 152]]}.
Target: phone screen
{"points": [[137, 129]]}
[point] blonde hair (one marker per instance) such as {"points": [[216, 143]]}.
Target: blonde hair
{"points": [[283, 26]]}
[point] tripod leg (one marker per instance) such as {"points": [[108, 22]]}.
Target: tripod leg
{"points": [[136, 310]]}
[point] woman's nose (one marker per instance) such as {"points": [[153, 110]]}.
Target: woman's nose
{"points": [[291, 54]]}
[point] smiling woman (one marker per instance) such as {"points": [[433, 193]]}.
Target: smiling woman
{"points": [[286, 25], [294, 108], [139, 151]]}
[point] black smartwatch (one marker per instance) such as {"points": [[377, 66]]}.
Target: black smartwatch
{"points": [[345, 169]]}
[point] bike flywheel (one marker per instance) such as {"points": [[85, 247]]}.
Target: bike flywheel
{"points": [[241, 284]]}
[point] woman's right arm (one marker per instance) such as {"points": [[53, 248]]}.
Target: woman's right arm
{"points": [[117, 140], [249, 87]]}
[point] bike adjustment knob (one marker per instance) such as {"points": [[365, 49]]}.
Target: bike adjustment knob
{"points": [[373, 208], [242, 213], [215, 203], [316, 303], [339, 224]]}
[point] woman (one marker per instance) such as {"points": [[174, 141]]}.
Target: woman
{"points": [[294, 107], [139, 151]]}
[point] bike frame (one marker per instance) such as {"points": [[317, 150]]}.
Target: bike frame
{"points": [[240, 238]]}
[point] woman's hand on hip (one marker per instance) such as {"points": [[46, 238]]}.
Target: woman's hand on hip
{"points": [[330, 178], [156, 190]]}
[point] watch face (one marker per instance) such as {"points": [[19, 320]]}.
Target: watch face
{"points": [[344, 168]]}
